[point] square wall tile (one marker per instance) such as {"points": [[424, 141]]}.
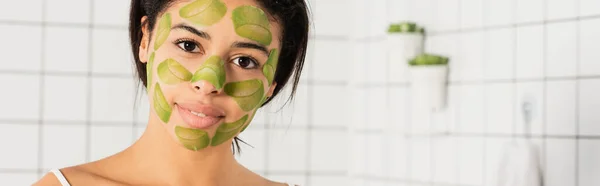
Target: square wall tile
{"points": [[470, 159], [561, 107], [471, 13], [560, 9], [499, 12], [447, 45], [63, 105], [376, 154], [399, 108], [332, 24], [499, 55], [66, 49], [494, 150], [377, 111], [108, 140], [530, 11], [358, 119], [397, 10], [447, 14], [331, 60], [253, 155], [589, 7], [589, 103], [359, 66], [294, 113], [471, 109], [63, 145], [530, 52], [589, 58], [329, 105], [377, 63], [141, 108], [18, 178], [420, 159], [560, 162], [499, 105], [423, 18], [111, 51], [20, 46], [398, 157], [286, 145], [68, 11], [444, 160], [322, 157], [20, 144], [357, 155], [471, 66], [328, 180], [561, 49], [377, 24], [22, 11], [20, 97], [111, 12], [112, 99], [533, 93], [588, 162]]}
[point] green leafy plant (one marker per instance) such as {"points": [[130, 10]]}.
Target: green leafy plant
{"points": [[405, 27], [428, 59]]}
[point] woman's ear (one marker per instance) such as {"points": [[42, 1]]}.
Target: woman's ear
{"points": [[271, 89], [143, 48]]}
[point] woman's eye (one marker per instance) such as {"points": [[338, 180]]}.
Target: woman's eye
{"points": [[245, 62], [189, 46]]}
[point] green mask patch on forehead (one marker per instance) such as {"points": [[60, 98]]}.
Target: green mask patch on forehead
{"points": [[247, 94], [227, 130], [252, 23], [204, 12], [271, 65], [213, 71], [161, 106], [164, 28], [149, 67], [171, 72], [193, 139]]}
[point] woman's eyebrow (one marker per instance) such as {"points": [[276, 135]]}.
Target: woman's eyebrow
{"points": [[262, 48], [193, 30]]}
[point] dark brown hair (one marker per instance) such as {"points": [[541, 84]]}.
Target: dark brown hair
{"points": [[292, 16]]}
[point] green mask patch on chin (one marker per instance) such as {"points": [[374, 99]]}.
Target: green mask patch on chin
{"points": [[193, 139], [227, 131], [204, 12], [163, 30], [161, 106], [247, 94], [171, 72], [213, 71], [252, 23]]}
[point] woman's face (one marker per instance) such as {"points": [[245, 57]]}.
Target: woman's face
{"points": [[210, 65]]}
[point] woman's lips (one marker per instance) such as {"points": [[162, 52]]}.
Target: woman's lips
{"points": [[199, 116]]}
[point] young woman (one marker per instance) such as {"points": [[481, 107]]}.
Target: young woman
{"points": [[207, 66]]}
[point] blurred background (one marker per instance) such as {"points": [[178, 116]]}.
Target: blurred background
{"points": [[68, 94]]}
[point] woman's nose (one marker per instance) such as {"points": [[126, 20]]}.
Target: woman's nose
{"points": [[204, 87]]}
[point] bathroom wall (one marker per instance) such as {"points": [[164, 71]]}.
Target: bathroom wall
{"points": [[69, 95], [502, 53]]}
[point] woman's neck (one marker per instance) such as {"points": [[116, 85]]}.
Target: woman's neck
{"points": [[157, 156]]}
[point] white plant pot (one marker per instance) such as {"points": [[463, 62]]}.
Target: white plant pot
{"points": [[404, 46], [428, 86]]}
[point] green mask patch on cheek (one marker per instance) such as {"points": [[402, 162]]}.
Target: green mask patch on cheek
{"points": [[193, 139], [271, 65], [161, 106], [164, 28], [171, 72], [213, 71], [252, 23], [204, 12], [149, 66], [227, 130], [247, 94]]}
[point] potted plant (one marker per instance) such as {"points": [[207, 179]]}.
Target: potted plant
{"points": [[405, 39], [428, 77]]}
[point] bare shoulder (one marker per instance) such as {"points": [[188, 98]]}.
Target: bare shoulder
{"points": [[77, 175]]}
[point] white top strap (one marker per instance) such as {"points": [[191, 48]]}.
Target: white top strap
{"points": [[61, 178]]}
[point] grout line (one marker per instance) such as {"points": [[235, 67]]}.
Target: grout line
{"points": [[577, 92], [544, 138], [40, 148], [88, 122]]}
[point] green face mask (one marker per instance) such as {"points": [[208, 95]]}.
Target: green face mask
{"points": [[204, 12], [247, 94], [161, 106], [213, 71], [171, 72], [163, 31], [193, 139], [252, 23]]}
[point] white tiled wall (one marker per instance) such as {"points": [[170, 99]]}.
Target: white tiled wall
{"points": [[352, 121]]}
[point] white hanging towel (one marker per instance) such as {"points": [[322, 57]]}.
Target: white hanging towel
{"points": [[519, 165]]}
